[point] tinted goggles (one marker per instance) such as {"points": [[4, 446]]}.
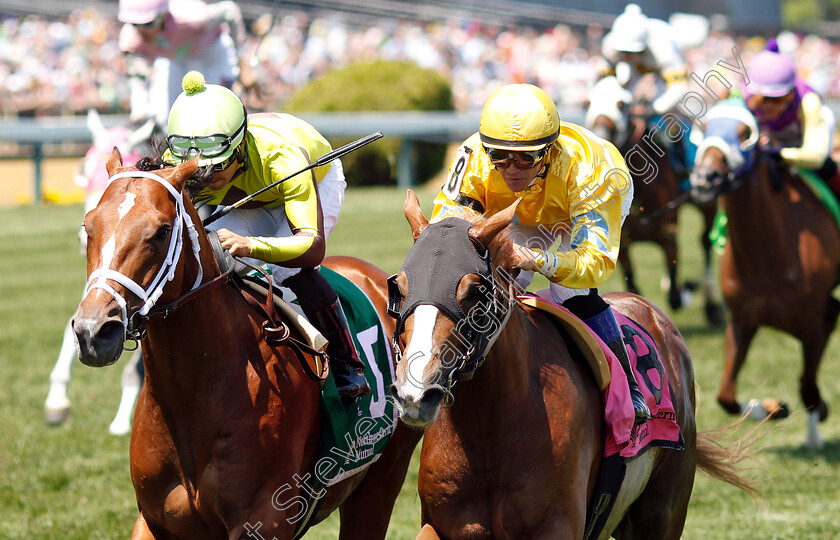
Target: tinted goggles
{"points": [[209, 146], [523, 159], [151, 24]]}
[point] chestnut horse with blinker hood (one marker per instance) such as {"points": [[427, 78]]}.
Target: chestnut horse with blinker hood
{"points": [[515, 452], [781, 259], [225, 418]]}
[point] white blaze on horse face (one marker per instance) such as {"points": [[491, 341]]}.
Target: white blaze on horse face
{"points": [[127, 204], [107, 253], [419, 352]]}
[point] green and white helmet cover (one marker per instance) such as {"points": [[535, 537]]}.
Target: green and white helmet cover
{"points": [[206, 118]]}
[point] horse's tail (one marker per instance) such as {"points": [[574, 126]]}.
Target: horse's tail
{"points": [[723, 459]]}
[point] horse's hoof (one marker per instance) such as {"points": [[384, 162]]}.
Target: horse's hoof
{"points": [[776, 409], [822, 409], [715, 315], [732, 407], [768, 408], [55, 416], [119, 428]]}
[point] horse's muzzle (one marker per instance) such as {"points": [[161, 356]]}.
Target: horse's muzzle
{"points": [[414, 412], [98, 343]]}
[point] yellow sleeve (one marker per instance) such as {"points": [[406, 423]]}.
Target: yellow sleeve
{"points": [[463, 190], [301, 205], [596, 211], [815, 136]]}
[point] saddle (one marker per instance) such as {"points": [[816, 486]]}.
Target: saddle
{"points": [[624, 441]]}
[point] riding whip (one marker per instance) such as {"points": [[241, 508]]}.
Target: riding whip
{"points": [[659, 212], [323, 160]]}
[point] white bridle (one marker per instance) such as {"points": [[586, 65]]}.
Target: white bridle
{"points": [[150, 295]]}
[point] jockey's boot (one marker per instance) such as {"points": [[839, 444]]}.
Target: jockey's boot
{"points": [[599, 316], [639, 406], [348, 371], [322, 307]]}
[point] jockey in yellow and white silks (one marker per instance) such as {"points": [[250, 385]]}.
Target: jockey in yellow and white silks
{"points": [[638, 45], [576, 191], [584, 192], [287, 225]]}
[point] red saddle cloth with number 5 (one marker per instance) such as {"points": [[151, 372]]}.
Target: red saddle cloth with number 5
{"points": [[622, 437]]}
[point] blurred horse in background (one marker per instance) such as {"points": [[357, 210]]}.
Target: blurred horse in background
{"points": [[781, 259], [91, 175], [624, 117]]}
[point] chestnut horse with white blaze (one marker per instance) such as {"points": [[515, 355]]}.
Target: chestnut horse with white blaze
{"points": [[225, 418], [515, 451]]}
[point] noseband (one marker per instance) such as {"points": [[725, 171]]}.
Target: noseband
{"points": [[442, 255], [98, 278]]}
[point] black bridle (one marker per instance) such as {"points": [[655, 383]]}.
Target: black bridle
{"points": [[442, 255]]}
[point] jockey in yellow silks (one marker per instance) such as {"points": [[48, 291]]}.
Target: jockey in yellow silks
{"points": [[575, 190], [287, 225], [636, 47]]}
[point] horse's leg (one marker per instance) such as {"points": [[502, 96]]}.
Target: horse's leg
{"points": [[813, 348], [669, 246], [141, 529], [427, 533], [661, 509], [627, 267], [714, 307], [738, 339], [57, 404], [130, 381], [365, 514]]}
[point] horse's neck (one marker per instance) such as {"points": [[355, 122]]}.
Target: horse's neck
{"points": [[759, 216], [500, 386]]}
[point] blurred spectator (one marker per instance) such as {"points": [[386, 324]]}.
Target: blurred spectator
{"points": [[164, 39], [67, 66]]}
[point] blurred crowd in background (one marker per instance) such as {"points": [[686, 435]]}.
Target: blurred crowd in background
{"points": [[64, 67]]}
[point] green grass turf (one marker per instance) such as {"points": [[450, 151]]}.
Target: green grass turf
{"points": [[72, 481]]}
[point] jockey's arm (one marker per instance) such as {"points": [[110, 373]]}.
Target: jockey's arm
{"points": [[676, 85], [138, 71], [815, 136], [597, 203], [228, 12], [306, 247]]}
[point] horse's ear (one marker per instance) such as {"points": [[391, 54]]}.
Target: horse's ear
{"points": [[95, 126], [414, 214], [181, 173], [114, 162], [143, 133], [485, 231]]}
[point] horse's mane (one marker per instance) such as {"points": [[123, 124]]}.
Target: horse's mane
{"points": [[154, 161]]}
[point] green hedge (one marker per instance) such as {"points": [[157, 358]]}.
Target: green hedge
{"points": [[379, 86]]}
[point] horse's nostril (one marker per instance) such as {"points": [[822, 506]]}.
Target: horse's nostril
{"points": [[395, 394], [432, 397], [111, 331]]}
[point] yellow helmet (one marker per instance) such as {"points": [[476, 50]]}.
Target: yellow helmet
{"points": [[519, 117]]}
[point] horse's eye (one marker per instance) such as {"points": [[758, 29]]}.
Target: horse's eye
{"points": [[163, 232]]}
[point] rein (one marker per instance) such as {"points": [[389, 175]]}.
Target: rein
{"points": [[275, 331]]}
